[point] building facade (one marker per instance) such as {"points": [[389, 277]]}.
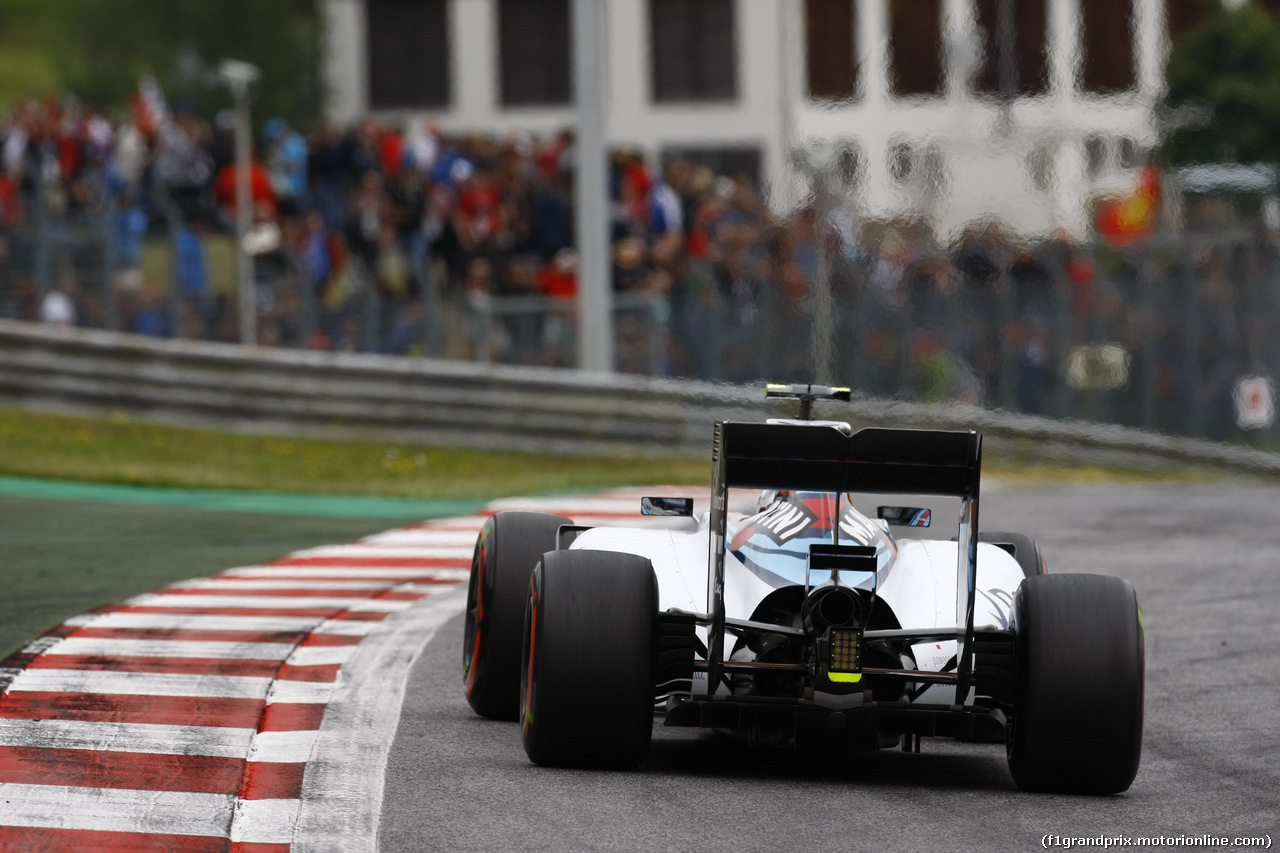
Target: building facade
{"points": [[1026, 111]]}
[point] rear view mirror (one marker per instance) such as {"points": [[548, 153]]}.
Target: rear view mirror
{"points": [[667, 506], [905, 516]]}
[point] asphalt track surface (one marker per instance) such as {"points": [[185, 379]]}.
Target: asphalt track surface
{"points": [[1206, 563]]}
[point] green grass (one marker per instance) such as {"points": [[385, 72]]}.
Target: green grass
{"points": [[64, 557], [125, 451]]}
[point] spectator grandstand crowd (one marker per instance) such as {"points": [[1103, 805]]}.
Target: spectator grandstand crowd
{"points": [[412, 240]]}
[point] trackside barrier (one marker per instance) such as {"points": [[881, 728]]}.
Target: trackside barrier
{"points": [[341, 395]]}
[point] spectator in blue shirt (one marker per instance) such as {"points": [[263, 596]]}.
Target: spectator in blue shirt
{"points": [[287, 165]]}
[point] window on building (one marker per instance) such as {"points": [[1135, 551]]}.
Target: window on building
{"points": [[915, 47], [1095, 155], [1040, 167], [721, 160], [1106, 34], [534, 52], [931, 169], [692, 50], [1128, 155], [831, 58], [407, 45], [850, 165], [1184, 15], [901, 161], [1014, 41]]}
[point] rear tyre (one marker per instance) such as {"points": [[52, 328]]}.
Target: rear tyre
{"points": [[586, 696], [1078, 694], [509, 545], [1024, 548]]}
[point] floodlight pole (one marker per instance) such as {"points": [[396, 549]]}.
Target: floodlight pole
{"points": [[591, 193], [822, 335], [238, 76]]}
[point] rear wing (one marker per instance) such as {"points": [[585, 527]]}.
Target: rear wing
{"points": [[829, 459], [826, 459]]}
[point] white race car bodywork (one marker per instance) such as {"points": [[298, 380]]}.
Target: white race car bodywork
{"points": [[916, 578]]}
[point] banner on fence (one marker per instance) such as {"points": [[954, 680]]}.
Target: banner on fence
{"points": [[1255, 402]]}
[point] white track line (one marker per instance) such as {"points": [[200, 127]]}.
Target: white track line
{"points": [[293, 654], [378, 552], [345, 627], [320, 655], [199, 622], [127, 737], [116, 809], [170, 649], [282, 747], [269, 602], [425, 588], [247, 584], [286, 572], [424, 536], [300, 692], [342, 792], [169, 684], [569, 506], [461, 522], [140, 683], [265, 821]]}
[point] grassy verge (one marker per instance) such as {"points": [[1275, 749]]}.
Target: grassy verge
{"points": [[64, 557], [124, 451], [129, 452]]}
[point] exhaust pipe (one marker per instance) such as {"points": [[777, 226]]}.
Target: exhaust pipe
{"points": [[831, 607]]}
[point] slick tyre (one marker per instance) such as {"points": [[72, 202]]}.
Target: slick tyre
{"points": [[1025, 550], [1078, 690], [587, 685], [509, 546]]}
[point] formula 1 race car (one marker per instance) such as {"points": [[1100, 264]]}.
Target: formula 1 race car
{"points": [[806, 622]]}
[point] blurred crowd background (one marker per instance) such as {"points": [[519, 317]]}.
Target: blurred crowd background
{"points": [[406, 240], [391, 234]]}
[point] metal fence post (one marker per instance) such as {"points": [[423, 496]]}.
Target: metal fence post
{"points": [[307, 302], [173, 220], [1062, 333], [41, 235], [430, 307], [1009, 353], [1191, 340], [657, 338], [110, 258], [372, 313], [1148, 330]]}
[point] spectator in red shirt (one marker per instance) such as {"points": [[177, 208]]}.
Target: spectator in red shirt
{"points": [[479, 217], [560, 277], [261, 192]]}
